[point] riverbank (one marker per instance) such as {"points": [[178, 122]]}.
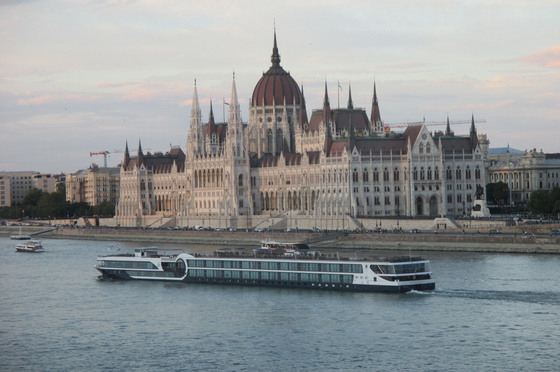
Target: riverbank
{"points": [[468, 242]]}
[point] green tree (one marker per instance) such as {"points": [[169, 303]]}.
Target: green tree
{"points": [[539, 202], [555, 199], [497, 193], [31, 199]]}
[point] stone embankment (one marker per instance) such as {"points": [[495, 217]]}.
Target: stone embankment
{"points": [[468, 242]]}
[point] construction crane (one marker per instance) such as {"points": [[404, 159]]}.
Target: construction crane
{"points": [[104, 153], [415, 123]]}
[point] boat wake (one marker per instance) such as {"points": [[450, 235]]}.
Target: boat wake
{"points": [[550, 298]]}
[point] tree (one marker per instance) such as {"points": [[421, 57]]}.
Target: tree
{"points": [[31, 199], [539, 202], [497, 193]]}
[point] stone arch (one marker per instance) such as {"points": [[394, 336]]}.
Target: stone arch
{"points": [[433, 206], [419, 206]]}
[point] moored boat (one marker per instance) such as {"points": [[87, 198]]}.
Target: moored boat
{"points": [[31, 246], [393, 274], [20, 236]]}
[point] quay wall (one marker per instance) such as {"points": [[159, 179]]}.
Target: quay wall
{"points": [[469, 242]]}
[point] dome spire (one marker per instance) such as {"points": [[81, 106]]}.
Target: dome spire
{"points": [[275, 59]]}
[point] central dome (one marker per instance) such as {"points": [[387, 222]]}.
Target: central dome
{"points": [[276, 85]]}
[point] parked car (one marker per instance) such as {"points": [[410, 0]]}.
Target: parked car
{"points": [[415, 231], [494, 231], [258, 229], [555, 232]]}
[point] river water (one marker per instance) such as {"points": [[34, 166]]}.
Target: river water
{"points": [[490, 312]]}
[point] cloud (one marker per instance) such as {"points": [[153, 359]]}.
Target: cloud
{"points": [[548, 58], [56, 97], [115, 85]]}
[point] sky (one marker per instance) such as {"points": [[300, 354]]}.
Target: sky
{"points": [[87, 76]]}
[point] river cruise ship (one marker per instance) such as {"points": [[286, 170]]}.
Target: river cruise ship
{"points": [[392, 274]]}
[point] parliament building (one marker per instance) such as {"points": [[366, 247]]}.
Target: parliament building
{"points": [[332, 168]]}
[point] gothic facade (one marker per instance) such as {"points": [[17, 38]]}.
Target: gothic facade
{"points": [[337, 163]]}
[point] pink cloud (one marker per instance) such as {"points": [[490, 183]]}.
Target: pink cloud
{"points": [[548, 58], [35, 101], [49, 98]]}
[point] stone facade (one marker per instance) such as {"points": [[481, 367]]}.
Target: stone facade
{"points": [[20, 183], [524, 171], [93, 185], [337, 164]]}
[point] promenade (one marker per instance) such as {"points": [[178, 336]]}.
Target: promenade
{"points": [[471, 241]]}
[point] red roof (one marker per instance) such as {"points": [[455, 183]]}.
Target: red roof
{"points": [[276, 85]]}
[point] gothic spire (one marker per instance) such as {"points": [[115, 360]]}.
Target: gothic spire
{"points": [[326, 107], [350, 103], [234, 122], [375, 113], [326, 102], [211, 122], [473, 128], [303, 110], [126, 156], [448, 128], [195, 110], [474, 136]]}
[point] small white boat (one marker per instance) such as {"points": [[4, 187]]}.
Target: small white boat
{"points": [[31, 246]]}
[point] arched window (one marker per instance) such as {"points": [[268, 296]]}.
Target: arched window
{"points": [[415, 174], [269, 140], [375, 175], [241, 180], [366, 175], [386, 175], [458, 173], [279, 140], [396, 174], [428, 148], [421, 148], [429, 173], [422, 174]]}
